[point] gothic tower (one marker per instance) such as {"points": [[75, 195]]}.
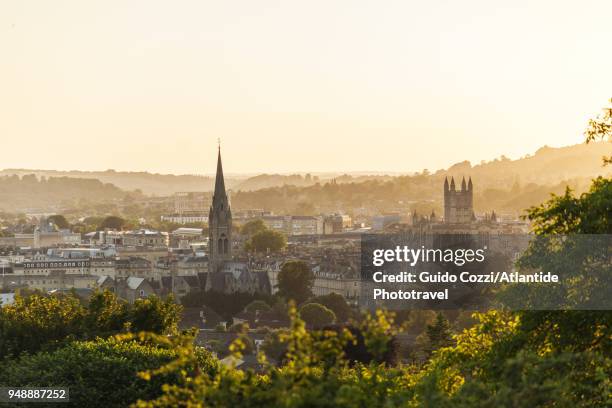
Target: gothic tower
{"points": [[219, 223], [458, 204]]}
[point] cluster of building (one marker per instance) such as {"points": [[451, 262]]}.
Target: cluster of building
{"points": [[139, 263], [192, 208], [44, 235]]}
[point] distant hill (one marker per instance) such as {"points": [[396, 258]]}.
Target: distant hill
{"points": [[548, 166], [33, 194], [263, 181], [168, 184], [148, 183], [504, 185]]}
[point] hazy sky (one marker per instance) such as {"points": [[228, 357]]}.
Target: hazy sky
{"points": [[296, 86]]}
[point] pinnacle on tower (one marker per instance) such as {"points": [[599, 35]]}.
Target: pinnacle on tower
{"points": [[445, 184], [470, 186], [452, 185], [463, 184]]}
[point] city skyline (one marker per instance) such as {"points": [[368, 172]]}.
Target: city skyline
{"points": [[342, 87]]}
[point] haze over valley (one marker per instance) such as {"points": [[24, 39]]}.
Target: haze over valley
{"points": [[501, 183]]}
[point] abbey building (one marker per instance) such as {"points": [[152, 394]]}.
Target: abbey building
{"points": [[458, 204]]}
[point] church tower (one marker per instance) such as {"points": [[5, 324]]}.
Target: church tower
{"points": [[458, 204], [219, 223]]}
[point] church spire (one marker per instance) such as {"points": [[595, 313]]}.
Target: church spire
{"points": [[219, 180], [219, 223]]}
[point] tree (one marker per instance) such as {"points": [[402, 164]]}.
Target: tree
{"points": [[566, 214], [112, 222], [106, 314], [46, 322], [337, 304], [100, 373], [274, 344], [36, 322], [253, 227], [267, 240], [59, 221], [601, 128], [155, 315], [257, 306], [438, 334], [295, 281], [315, 315]]}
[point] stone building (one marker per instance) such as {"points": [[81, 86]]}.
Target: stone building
{"points": [[458, 204]]}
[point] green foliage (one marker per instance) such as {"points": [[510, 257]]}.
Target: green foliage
{"points": [[266, 241], [587, 214], [316, 315], [257, 305], [42, 322], [512, 360], [295, 281], [337, 304], [155, 315], [274, 345], [59, 221], [438, 333], [314, 374], [112, 222], [100, 373], [601, 128], [505, 360], [253, 227], [36, 322]]}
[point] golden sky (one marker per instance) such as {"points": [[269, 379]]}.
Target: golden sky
{"points": [[296, 85]]}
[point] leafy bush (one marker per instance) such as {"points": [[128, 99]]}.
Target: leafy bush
{"points": [[43, 322], [336, 303], [101, 373], [295, 281], [316, 315], [266, 240]]}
